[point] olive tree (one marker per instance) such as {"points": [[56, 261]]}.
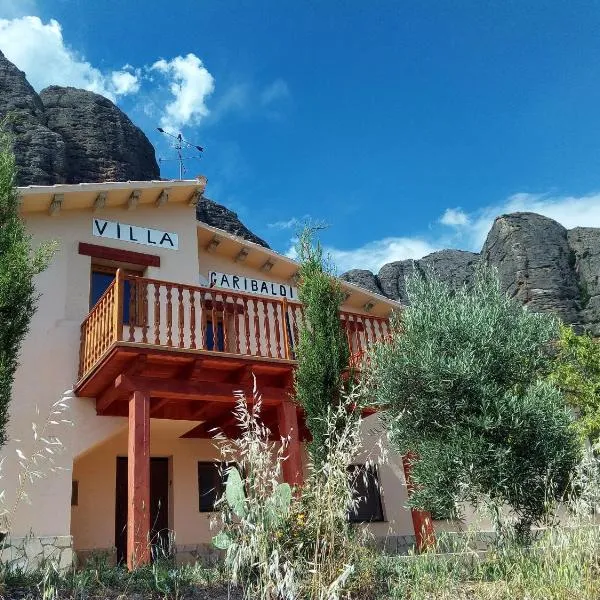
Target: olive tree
{"points": [[463, 381]]}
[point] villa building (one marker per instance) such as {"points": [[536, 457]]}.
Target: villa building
{"points": [[148, 322]]}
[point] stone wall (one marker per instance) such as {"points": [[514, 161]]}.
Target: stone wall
{"points": [[31, 552]]}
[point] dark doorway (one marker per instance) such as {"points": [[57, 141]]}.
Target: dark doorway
{"points": [[159, 507]]}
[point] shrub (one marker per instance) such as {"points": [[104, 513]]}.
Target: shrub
{"points": [[322, 350], [463, 380], [281, 545], [577, 373]]}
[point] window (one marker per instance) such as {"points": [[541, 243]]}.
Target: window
{"points": [[211, 343], [101, 278], [74, 493], [366, 490], [211, 483]]}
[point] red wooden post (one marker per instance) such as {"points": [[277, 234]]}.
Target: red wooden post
{"points": [[138, 481], [288, 427], [423, 526]]}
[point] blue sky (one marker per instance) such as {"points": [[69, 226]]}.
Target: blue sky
{"points": [[406, 126]]}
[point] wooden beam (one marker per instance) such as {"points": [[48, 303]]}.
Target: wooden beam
{"points": [[133, 200], [138, 481], [127, 256], [188, 370], [100, 201], [288, 427], [160, 404], [187, 390], [422, 523], [163, 198], [137, 365], [56, 204], [207, 409], [110, 395]]}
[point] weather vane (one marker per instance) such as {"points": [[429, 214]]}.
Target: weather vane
{"points": [[180, 145]]}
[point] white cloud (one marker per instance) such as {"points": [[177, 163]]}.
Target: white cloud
{"points": [[375, 254], [293, 223], [454, 217], [278, 90], [125, 82], [569, 211], [190, 84], [39, 49]]}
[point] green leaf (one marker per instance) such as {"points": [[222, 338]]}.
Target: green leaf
{"points": [[283, 497], [234, 493], [222, 541]]}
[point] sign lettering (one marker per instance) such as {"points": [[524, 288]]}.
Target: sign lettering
{"points": [[133, 233], [251, 285]]}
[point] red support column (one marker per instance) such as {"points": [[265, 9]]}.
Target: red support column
{"points": [[423, 526], [288, 427], [138, 481]]}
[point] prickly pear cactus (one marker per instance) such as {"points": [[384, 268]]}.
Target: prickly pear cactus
{"points": [[234, 493]]}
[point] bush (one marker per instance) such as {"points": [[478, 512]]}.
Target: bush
{"points": [[464, 384], [322, 352], [281, 545]]}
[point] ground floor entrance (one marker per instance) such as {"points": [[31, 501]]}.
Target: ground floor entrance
{"points": [[159, 508]]}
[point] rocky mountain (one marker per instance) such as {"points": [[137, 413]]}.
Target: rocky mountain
{"points": [[68, 135], [217, 215], [539, 262]]}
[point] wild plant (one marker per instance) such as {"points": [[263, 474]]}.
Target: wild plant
{"points": [[284, 544], [38, 463]]}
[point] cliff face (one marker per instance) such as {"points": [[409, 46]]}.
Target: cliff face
{"points": [[68, 135], [539, 262]]}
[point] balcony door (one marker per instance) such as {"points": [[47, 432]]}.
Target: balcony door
{"points": [[101, 278]]}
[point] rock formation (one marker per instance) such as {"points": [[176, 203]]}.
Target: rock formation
{"points": [[101, 142], [40, 152], [539, 262], [66, 135], [217, 215]]}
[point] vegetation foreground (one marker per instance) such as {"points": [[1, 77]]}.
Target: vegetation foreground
{"points": [[563, 563]]}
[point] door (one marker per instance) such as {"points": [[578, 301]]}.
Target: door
{"points": [[159, 507]]}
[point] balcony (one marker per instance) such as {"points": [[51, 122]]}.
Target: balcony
{"points": [[197, 337]]}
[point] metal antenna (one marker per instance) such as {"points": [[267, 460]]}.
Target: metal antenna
{"points": [[179, 145]]}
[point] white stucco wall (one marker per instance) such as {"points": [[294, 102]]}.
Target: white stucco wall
{"points": [[49, 364]]}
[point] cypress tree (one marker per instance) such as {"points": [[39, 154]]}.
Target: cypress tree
{"points": [[322, 351], [19, 264]]}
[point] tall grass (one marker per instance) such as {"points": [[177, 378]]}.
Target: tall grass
{"points": [[302, 547], [563, 561]]}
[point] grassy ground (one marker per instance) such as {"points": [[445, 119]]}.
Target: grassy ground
{"points": [[564, 564]]}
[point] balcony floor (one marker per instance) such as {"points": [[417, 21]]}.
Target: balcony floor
{"points": [[182, 384]]}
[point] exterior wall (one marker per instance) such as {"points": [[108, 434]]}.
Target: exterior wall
{"points": [[93, 520], [49, 360], [29, 553], [50, 354]]}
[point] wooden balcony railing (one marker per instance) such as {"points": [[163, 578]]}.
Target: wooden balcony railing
{"points": [[171, 315]]}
